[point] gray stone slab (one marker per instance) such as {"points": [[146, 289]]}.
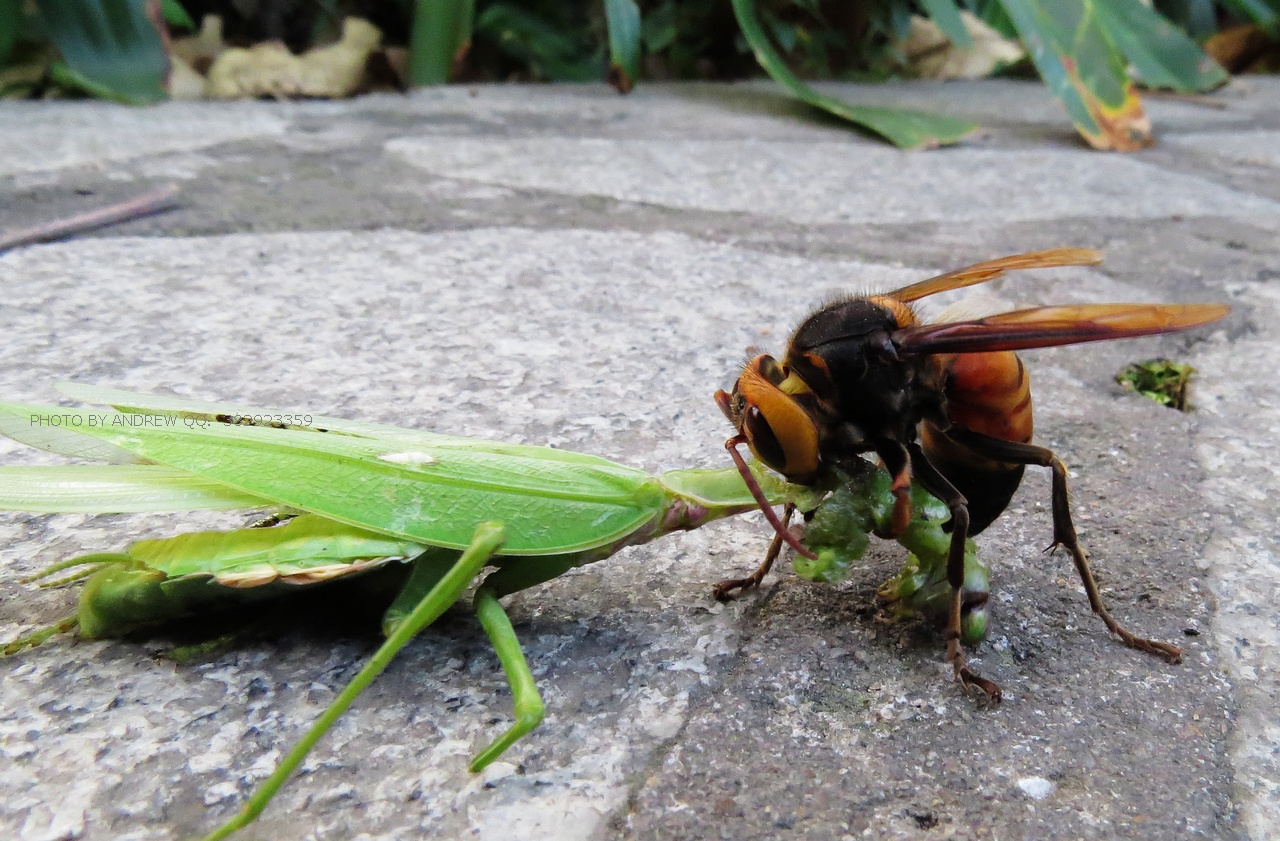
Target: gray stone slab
{"points": [[36, 137], [651, 111], [1241, 422], [830, 182], [1261, 148]]}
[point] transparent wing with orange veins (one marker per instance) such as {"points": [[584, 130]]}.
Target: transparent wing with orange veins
{"points": [[992, 269], [1048, 326]]}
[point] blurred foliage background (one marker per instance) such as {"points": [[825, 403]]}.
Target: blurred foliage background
{"points": [[1094, 55]]}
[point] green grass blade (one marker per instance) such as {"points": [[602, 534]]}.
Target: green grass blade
{"points": [[1161, 54], [114, 489], [904, 129], [947, 16], [114, 49], [439, 39], [623, 18], [993, 15]]}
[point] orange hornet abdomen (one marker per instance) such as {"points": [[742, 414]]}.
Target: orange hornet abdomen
{"points": [[990, 394]]}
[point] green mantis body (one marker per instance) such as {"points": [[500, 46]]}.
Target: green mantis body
{"points": [[434, 510]]}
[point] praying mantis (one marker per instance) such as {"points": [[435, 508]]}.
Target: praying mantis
{"points": [[429, 511]]}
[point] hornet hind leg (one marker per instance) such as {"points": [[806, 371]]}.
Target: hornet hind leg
{"points": [[1064, 531]]}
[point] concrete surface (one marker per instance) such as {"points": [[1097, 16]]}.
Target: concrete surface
{"points": [[565, 266]]}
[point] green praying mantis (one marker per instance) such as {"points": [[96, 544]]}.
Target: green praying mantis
{"points": [[428, 512]]}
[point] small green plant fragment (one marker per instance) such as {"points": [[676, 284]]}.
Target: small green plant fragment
{"points": [[175, 16], [1161, 380]]}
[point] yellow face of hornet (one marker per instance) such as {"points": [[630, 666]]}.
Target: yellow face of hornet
{"points": [[778, 430]]}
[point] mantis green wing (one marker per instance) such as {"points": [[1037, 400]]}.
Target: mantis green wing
{"points": [[188, 409], [411, 487], [115, 489]]}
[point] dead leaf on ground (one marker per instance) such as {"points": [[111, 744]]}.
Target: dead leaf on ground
{"points": [[270, 70], [1246, 48], [185, 83], [200, 50], [931, 55]]}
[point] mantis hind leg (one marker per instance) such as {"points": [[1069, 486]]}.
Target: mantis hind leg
{"points": [[31, 639], [524, 692], [488, 537], [1064, 530]]}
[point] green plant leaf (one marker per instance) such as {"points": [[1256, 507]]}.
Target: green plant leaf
{"points": [[947, 16], [1161, 54], [904, 129], [67, 77], [439, 39], [173, 14], [785, 34], [623, 17], [1265, 13], [1198, 18], [659, 28], [1083, 69], [1161, 380], [547, 50], [900, 20], [111, 49], [10, 19], [993, 15]]}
